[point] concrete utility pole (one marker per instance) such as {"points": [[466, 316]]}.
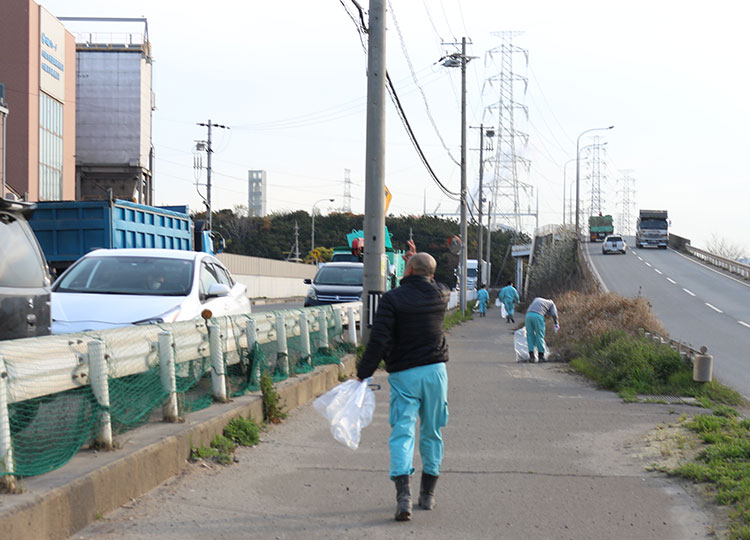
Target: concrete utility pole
{"points": [[375, 263], [209, 151], [490, 133], [455, 60]]}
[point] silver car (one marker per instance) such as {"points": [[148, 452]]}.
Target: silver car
{"points": [[613, 244]]}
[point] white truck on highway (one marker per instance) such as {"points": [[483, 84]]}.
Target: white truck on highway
{"points": [[651, 229]]}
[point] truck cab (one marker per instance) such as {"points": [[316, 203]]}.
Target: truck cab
{"points": [[652, 229]]}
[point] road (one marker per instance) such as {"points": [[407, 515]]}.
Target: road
{"points": [[696, 303]]}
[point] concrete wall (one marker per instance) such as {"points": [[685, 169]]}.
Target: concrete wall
{"points": [[267, 278]]}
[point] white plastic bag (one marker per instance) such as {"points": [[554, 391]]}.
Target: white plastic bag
{"points": [[498, 303], [521, 345], [348, 407], [503, 311]]}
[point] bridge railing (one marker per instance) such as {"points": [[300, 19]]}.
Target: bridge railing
{"points": [[715, 260], [58, 393]]}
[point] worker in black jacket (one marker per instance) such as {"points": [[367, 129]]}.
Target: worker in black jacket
{"points": [[408, 333]]}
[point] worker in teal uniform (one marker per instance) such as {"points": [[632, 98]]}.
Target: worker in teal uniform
{"points": [[535, 326], [509, 296], [483, 297]]}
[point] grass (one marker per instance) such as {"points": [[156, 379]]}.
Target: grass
{"points": [[457, 317], [272, 411], [602, 337], [723, 464]]}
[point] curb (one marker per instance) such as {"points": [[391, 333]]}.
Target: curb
{"points": [[60, 503]]}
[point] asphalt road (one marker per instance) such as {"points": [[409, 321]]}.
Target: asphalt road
{"points": [[695, 302], [532, 452]]}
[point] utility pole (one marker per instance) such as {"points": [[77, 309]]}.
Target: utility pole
{"points": [[489, 257], [454, 60], [464, 229], [209, 151], [373, 281], [480, 242]]}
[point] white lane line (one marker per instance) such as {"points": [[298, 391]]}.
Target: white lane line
{"points": [[743, 323], [648, 264], [691, 293], [673, 282], [717, 310], [657, 270], [640, 258]]}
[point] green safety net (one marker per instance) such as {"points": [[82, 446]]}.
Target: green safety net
{"points": [[48, 431]]}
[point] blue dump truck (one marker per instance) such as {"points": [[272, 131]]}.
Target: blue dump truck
{"points": [[67, 230]]}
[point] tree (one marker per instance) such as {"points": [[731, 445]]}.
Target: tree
{"points": [[724, 248]]}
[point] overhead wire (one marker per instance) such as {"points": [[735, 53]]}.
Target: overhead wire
{"points": [[404, 120]]}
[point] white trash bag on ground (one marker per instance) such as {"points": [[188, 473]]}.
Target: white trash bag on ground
{"points": [[521, 345], [348, 407], [503, 311]]}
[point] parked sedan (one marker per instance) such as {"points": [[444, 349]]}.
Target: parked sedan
{"points": [[613, 244], [108, 288]]}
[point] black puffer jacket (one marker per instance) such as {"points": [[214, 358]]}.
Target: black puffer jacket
{"points": [[408, 327]]}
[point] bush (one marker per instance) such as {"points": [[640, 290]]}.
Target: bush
{"points": [[242, 431]]}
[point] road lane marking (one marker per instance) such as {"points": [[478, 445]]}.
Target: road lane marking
{"points": [[691, 293], [743, 323], [673, 282], [657, 270], [648, 264], [640, 258], [717, 310], [707, 267]]}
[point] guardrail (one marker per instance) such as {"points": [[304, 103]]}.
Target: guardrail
{"points": [[95, 380], [727, 264]]}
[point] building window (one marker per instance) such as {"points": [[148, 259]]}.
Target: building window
{"points": [[50, 148]]}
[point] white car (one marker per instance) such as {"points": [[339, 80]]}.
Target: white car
{"points": [[108, 288], [613, 244]]}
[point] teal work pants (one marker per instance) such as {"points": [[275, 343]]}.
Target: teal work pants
{"points": [[535, 331], [510, 306], [420, 392]]}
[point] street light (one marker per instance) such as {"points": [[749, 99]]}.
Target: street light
{"points": [[312, 239], [578, 171]]}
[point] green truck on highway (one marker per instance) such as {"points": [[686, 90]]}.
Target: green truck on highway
{"points": [[599, 227]]}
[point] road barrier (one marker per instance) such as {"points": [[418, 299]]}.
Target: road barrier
{"points": [[58, 393], [727, 264]]}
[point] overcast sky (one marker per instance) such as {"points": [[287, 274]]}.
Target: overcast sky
{"points": [[289, 78]]}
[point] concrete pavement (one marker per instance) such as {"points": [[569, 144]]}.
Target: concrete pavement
{"points": [[532, 452]]}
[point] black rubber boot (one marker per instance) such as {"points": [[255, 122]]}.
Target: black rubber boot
{"points": [[532, 358], [427, 491], [541, 357], [403, 497]]}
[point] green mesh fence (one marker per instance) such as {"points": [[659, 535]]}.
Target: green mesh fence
{"points": [[47, 431]]}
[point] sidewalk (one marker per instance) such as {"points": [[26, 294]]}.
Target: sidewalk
{"points": [[532, 452]]}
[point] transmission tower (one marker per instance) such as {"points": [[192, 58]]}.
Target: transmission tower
{"points": [[347, 191], [626, 203], [505, 186], [596, 164]]}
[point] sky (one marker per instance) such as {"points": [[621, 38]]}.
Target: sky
{"points": [[289, 79]]}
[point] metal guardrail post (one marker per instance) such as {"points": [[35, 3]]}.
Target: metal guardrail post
{"points": [[323, 329], [6, 443], [252, 338], [361, 323], [304, 336], [99, 376], [352, 326], [282, 356], [168, 381], [218, 376]]}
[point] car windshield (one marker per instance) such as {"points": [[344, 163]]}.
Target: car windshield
{"points": [[471, 272], [348, 275], [653, 224], [128, 275]]}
